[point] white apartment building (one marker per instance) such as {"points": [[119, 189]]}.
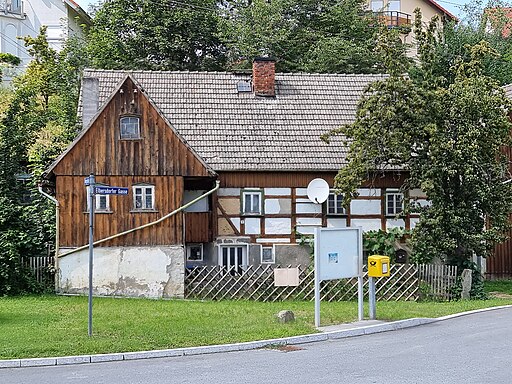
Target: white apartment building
{"points": [[18, 18]]}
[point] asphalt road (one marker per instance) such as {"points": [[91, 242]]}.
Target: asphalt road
{"points": [[475, 348]]}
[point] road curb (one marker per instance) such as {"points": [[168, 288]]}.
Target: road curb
{"points": [[303, 339]]}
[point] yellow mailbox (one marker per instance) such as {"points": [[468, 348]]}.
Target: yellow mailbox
{"points": [[378, 266]]}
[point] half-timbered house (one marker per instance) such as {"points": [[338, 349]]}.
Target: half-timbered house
{"points": [[170, 137]]}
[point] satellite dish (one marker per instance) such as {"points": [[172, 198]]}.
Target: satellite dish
{"points": [[318, 191]]}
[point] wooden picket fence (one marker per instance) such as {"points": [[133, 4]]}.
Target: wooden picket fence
{"points": [[256, 282], [436, 280], [41, 267]]}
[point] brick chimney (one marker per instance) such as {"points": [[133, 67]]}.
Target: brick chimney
{"points": [[264, 76]]}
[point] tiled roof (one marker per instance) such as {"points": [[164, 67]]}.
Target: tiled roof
{"points": [[234, 130]]}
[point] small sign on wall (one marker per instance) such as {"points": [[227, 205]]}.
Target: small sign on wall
{"points": [[286, 277]]}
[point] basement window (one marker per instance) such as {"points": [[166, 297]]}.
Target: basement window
{"points": [[195, 252], [267, 255], [129, 127]]}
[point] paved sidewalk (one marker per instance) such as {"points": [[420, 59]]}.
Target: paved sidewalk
{"points": [[331, 332]]}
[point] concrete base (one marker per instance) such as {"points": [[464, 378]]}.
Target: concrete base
{"points": [[154, 272]]}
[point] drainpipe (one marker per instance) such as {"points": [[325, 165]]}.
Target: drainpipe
{"points": [[56, 258], [183, 207]]}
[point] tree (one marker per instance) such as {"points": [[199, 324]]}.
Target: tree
{"points": [[9, 60], [156, 35], [491, 24], [310, 35], [446, 133], [37, 124]]}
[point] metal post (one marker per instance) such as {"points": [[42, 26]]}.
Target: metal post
{"points": [[360, 306], [92, 183], [360, 297], [317, 277], [371, 298]]}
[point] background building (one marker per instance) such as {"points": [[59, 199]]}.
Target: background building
{"points": [[63, 18]]}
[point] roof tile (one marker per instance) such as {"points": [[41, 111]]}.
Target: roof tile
{"points": [[240, 131]]}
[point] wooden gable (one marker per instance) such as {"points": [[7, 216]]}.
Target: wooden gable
{"points": [[159, 151]]}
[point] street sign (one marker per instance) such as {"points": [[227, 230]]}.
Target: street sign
{"points": [[111, 191]]}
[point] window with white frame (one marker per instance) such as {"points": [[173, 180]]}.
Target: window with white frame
{"points": [[394, 203], [195, 252], [102, 202], [251, 202], [143, 197], [335, 204], [129, 127], [267, 255]]}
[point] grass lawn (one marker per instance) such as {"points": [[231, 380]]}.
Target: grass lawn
{"points": [[501, 286], [42, 326]]}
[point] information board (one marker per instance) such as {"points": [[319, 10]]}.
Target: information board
{"points": [[339, 252]]}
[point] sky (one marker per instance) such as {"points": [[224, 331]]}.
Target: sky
{"points": [[453, 6]]}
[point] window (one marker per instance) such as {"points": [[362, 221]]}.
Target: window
{"points": [[267, 255], [251, 202], [102, 202], [14, 6], [144, 197], [394, 5], [195, 252], [24, 184], [377, 5], [233, 258], [394, 203], [335, 204], [130, 127]]}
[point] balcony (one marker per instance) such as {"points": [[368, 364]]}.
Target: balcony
{"points": [[13, 7], [395, 19]]}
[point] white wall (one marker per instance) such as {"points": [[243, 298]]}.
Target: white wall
{"points": [[125, 271], [55, 14]]}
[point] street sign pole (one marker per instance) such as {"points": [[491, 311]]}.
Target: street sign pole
{"points": [[92, 184], [360, 284], [317, 277]]}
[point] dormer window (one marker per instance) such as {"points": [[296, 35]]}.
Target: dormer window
{"points": [[129, 127]]}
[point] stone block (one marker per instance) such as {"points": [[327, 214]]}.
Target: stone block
{"points": [[286, 316], [67, 360], [16, 363], [38, 362], [467, 276], [101, 358]]}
